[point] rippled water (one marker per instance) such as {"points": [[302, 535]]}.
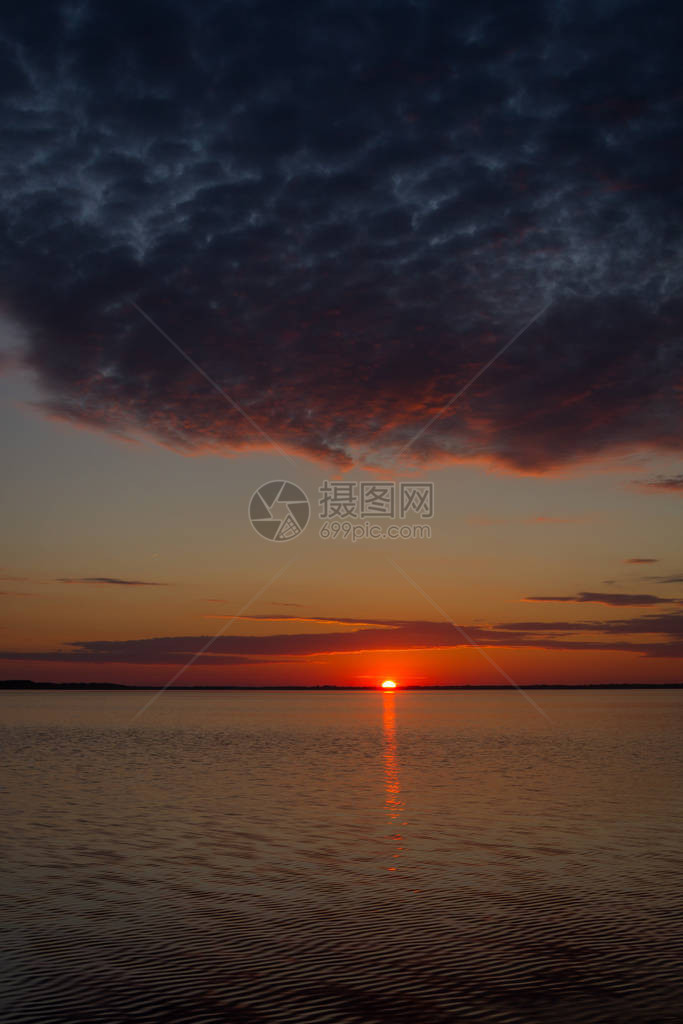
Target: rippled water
{"points": [[366, 857]]}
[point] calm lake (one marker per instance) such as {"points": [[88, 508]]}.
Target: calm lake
{"points": [[344, 857]]}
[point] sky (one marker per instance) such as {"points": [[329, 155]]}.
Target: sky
{"points": [[342, 245]]}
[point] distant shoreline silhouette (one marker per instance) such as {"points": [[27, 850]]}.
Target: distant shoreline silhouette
{"points": [[30, 684]]}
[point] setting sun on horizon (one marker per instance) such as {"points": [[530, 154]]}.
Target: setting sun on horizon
{"points": [[388, 684]]}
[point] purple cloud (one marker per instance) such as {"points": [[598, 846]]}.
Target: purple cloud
{"points": [[380, 635]]}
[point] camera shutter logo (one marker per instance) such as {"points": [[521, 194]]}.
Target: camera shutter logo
{"points": [[279, 510]]}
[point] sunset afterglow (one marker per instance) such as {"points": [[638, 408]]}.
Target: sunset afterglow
{"points": [[341, 350]]}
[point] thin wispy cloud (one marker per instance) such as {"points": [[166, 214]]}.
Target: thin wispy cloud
{"points": [[616, 600], [108, 581], [313, 619], [672, 484]]}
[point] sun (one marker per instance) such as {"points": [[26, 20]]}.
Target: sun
{"points": [[388, 684]]}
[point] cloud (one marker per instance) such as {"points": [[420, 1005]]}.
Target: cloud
{"points": [[341, 213], [618, 600], [662, 483], [274, 604], [665, 579], [379, 635], [640, 561], [109, 581], [317, 619]]}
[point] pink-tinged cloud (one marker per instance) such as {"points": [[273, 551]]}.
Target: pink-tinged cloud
{"points": [[640, 561], [671, 484]]}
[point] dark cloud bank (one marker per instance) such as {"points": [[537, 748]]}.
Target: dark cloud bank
{"points": [[341, 211], [654, 635]]}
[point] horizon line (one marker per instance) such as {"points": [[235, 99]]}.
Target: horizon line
{"points": [[30, 684]]}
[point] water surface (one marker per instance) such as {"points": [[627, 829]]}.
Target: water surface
{"points": [[343, 857]]}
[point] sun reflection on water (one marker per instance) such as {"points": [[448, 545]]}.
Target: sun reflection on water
{"points": [[392, 785]]}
